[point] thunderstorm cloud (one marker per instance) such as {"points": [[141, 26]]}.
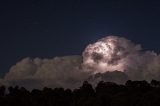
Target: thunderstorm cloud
{"points": [[111, 58]]}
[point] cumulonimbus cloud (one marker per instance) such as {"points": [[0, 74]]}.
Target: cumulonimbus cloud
{"points": [[98, 62]]}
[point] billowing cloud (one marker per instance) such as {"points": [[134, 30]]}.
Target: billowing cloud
{"points": [[99, 61], [117, 53], [57, 72], [109, 54]]}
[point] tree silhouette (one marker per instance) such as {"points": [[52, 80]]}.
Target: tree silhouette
{"points": [[133, 93], [2, 90]]}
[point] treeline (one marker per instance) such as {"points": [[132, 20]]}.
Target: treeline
{"points": [[133, 93]]}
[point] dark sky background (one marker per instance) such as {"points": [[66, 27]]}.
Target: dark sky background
{"points": [[48, 28]]}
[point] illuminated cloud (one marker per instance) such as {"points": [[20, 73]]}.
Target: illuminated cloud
{"points": [[109, 54], [98, 62], [117, 53]]}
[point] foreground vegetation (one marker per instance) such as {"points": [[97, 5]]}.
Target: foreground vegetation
{"points": [[133, 93]]}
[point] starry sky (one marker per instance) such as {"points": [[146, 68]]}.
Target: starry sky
{"points": [[49, 28]]}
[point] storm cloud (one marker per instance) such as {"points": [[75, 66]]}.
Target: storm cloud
{"points": [[118, 53], [111, 58], [57, 72]]}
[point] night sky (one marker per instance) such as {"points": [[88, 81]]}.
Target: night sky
{"points": [[49, 28]]}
